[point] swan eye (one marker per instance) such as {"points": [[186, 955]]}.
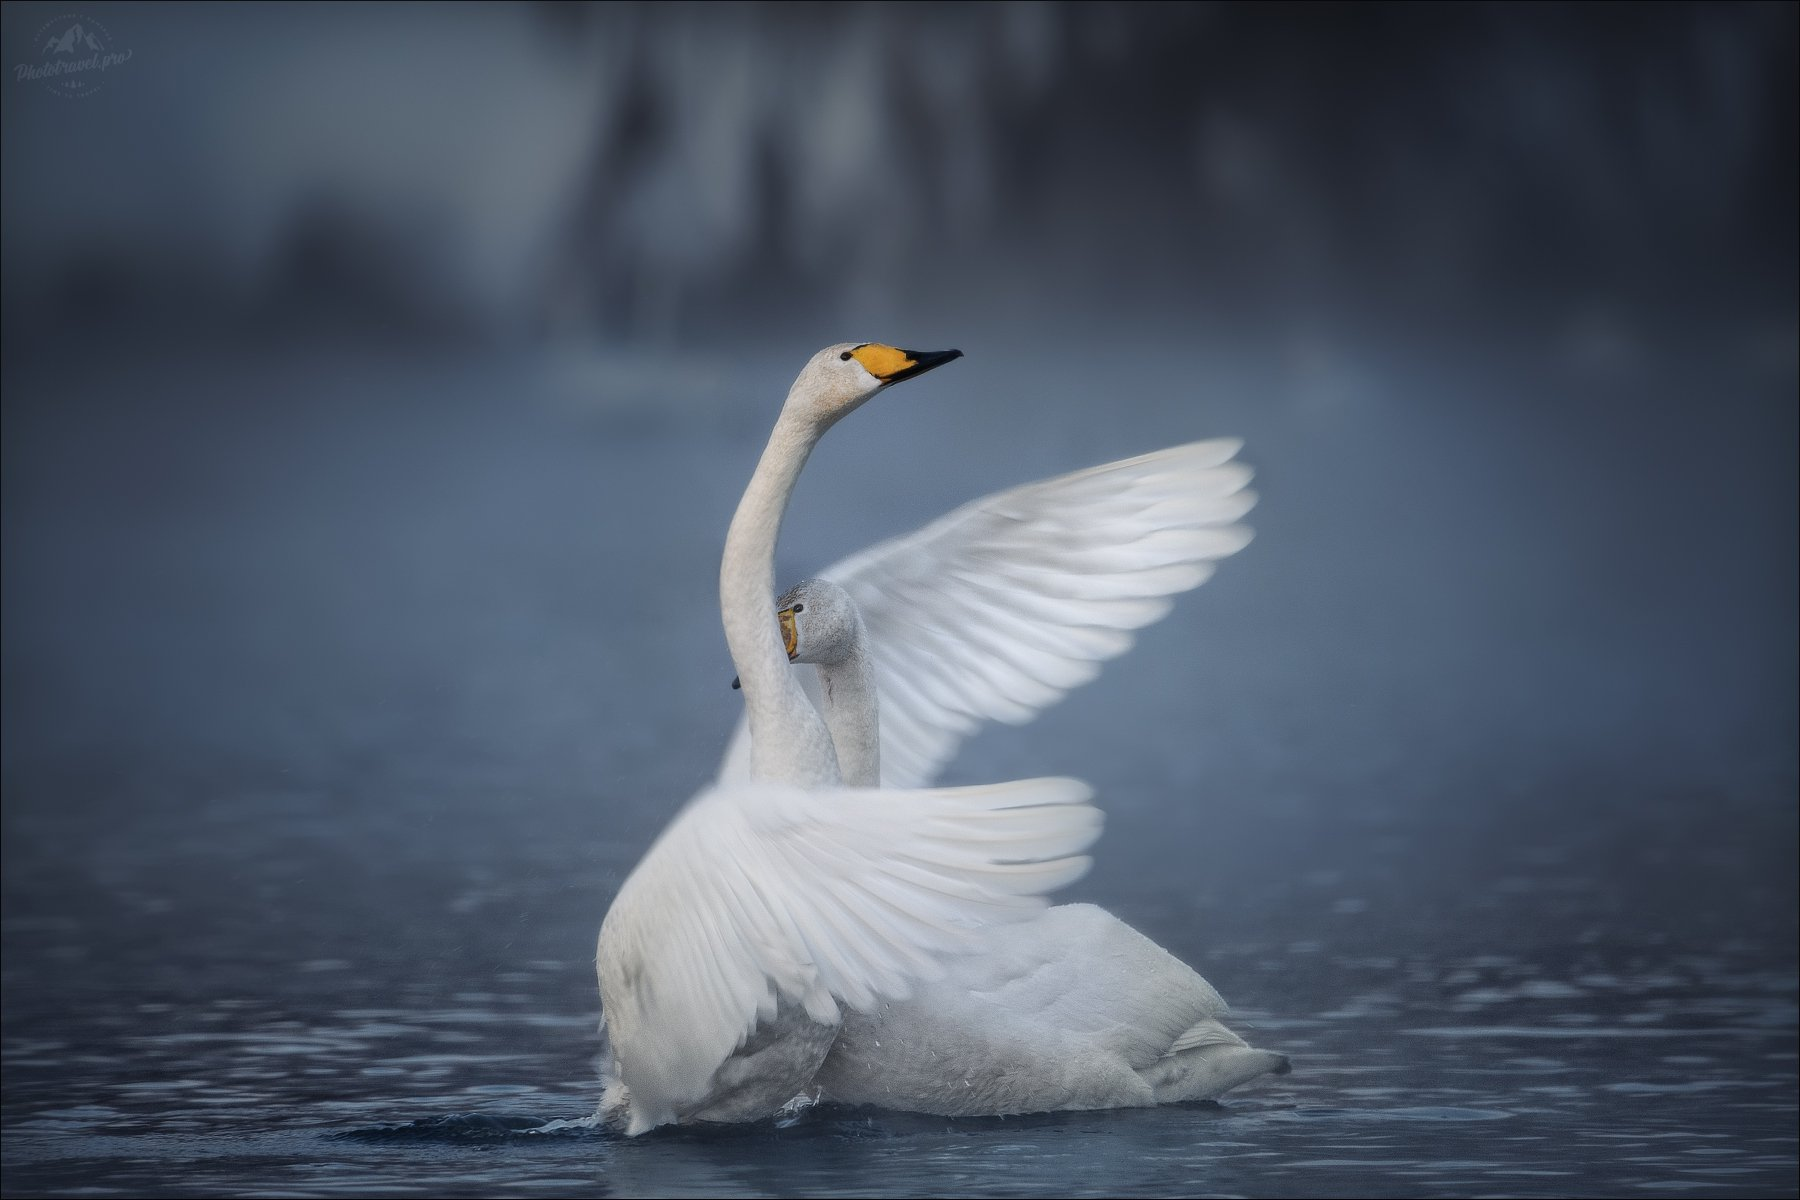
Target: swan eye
{"points": [[799, 608], [844, 357]]}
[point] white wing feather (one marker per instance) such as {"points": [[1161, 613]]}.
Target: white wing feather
{"points": [[825, 897], [993, 612]]}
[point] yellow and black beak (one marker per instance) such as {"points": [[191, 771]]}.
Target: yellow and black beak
{"points": [[788, 637], [891, 364]]}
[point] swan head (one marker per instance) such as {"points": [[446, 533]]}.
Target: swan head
{"points": [[839, 378], [819, 622]]}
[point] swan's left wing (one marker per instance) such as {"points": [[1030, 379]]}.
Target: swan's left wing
{"points": [[827, 897], [993, 612]]}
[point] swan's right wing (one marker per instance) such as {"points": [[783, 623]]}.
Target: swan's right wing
{"points": [[827, 897], [994, 611]]}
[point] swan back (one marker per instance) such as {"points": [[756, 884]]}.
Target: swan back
{"points": [[1075, 1010]]}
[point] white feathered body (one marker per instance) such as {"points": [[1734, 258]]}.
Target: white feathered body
{"points": [[1074, 1010], [764, 911]]}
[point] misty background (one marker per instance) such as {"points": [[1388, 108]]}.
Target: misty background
{"points": [[379, 382], [654, 171]]}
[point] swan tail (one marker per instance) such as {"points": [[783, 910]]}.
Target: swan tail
{"points": [[1208, 1071], [1204, 1033]]}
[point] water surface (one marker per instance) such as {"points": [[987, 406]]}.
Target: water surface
{"points": [[341, 693]]}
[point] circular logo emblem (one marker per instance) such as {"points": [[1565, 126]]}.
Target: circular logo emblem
{"points": [[74, 55]]}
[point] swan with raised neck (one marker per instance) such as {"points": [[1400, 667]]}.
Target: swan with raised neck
{"points": [[790, 742], [822, 626]]}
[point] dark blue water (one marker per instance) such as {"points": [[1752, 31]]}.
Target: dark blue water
{"points": [[341, 693]]}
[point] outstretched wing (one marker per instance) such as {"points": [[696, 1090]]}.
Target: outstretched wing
{"points": [[831, 896], [994, 611]]}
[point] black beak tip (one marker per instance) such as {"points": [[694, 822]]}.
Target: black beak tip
{"points": [[923, 361], [736, 683]]}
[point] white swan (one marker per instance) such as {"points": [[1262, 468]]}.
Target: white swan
{"points": [[993, 611], [770, 905], [1072, 1010]]}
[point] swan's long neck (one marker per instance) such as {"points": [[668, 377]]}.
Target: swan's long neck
{"points": [[788, 740], [853, 712]]}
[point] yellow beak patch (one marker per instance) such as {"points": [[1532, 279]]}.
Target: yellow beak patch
{"points": [[882, 361], [788, 636]]}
